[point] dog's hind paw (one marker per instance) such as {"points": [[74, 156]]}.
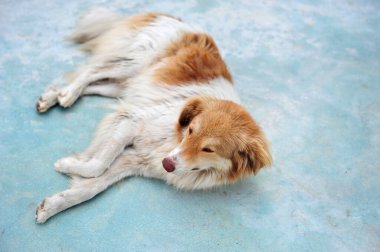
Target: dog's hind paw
{"points": [[67, 97], [47, 99], [42, 105]]}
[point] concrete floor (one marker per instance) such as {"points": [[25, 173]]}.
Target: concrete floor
{"points": [[308, 71]]}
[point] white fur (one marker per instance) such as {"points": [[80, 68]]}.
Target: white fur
{"points": [[135, 138]]}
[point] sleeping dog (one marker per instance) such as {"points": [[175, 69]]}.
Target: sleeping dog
{"points": [[179, 117]]}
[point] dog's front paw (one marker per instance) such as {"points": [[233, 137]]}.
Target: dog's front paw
{"points": [[41, 212], [87, 169], [67, 164], [68, 96]]}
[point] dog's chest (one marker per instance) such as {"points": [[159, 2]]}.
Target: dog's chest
{"points": [[157, 135]]}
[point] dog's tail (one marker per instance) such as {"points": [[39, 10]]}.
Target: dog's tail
{"points": [[92, 24]]}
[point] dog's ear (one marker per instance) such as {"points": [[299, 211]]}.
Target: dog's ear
{"points": [[191, 109], [250, 157]]}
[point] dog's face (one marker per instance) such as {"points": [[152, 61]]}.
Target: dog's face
{"points": [[217, 135]]}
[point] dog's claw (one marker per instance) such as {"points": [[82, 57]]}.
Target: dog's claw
{"points": [[38, 106]]}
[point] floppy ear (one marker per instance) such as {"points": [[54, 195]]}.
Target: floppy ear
{"points": [[250, 159], [259, 151], [191, 109]]}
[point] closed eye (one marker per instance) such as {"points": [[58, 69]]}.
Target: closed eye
{"points": [[208, 150]]}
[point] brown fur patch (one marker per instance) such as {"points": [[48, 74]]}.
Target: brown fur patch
{"points": [[192, 108], [139, 21], [193, 58]]}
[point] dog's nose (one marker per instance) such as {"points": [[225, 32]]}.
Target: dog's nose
{"points": [[168, 164]]}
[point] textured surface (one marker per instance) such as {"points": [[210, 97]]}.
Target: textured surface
{"points": [[309, 72]]}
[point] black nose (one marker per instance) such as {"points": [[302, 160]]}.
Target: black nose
{"points": [[168, 164]]}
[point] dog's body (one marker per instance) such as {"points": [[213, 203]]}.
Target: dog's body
{"points": [[179, 119]]}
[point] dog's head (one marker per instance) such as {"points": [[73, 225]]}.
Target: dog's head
{"points": [[218, 135]]}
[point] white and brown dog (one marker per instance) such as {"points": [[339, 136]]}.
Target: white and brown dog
{"points": [[179, 118]]}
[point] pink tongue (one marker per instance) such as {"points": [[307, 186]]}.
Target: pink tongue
{"points": [[168, 165]]}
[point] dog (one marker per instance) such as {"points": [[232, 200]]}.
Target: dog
{"points": [[179, 118]]}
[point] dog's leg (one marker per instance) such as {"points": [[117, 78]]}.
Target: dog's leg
{"points": [[85, 189], [113, 90], [88, 74], [113, 135], [107, 88]]}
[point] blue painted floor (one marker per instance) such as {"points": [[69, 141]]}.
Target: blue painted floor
{"points": [[309, 72]]}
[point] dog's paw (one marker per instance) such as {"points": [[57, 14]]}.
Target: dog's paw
{"points": [[41, 213], [67, 164], [68, 96], [42, 105], [47, 99], [87, 169]]}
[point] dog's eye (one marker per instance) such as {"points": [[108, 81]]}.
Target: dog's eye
{"points": [[190, 131], [207, 150]]}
